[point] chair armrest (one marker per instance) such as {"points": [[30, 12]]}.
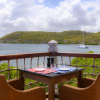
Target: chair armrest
{"points": [[67, 92]]}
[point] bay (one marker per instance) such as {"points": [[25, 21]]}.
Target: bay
{"points": [[6, 49]]}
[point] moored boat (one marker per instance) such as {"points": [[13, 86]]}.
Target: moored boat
{"points": [[82, 46]]}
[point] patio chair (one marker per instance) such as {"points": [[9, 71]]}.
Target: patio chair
{"points": [[92, 92], [11, 90]]}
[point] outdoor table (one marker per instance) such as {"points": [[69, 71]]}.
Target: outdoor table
{"points": [[51, 79]]}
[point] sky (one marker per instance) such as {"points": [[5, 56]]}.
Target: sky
{"points": [[49, 15]]}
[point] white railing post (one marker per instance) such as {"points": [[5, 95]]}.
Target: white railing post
{"points": [[53, 48]]}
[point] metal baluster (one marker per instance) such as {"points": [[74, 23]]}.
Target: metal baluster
{"points": [[62, 59], [17, 68], [70, 60], [24, 63], [31, 63], [30, 79], [44, 62], [76, 62], [38, 62], [8, 70], [85, 66], [93, 68]]}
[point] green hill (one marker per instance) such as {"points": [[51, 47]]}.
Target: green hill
{"points": [[65, 37]]}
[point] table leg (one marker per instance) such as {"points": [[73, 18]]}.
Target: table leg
{"points": [[80, 79], [51, 90], [22, 80]]}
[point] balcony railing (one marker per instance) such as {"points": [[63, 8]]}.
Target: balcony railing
{"points": [[61, 55]]}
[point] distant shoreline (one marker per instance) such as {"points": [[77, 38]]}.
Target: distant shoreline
{"points": [[74, 37], [44, 43]]}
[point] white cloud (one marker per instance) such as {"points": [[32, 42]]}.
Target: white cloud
{"points": [[41, 1], [25, 15]]}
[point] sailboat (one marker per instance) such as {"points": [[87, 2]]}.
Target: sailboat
{"points": [[82, 45]]}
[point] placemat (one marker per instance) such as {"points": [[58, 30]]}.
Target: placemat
{"points": [[64, 71], [46, 71]]}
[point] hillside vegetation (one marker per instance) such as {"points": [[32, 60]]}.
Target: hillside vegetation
{"points": [[65, 37]]}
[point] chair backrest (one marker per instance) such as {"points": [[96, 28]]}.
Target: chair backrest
{"points": [[97, 88], [94, 84], [7, 92], [4, 88]]}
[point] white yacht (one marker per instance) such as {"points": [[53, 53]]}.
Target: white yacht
{"points": [[82, 45]]}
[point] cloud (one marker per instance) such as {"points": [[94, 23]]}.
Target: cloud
{"points": [[25, 15], [41, 1]]}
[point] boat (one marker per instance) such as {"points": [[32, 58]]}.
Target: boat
{"points": [[83, 46]]}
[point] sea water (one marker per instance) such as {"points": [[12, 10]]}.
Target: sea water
{"points": [[7, 49]]}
